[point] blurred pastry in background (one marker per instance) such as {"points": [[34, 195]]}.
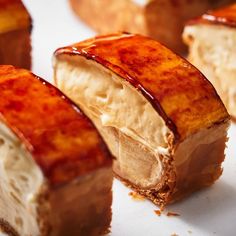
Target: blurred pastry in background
{"points": [[161, 118], [160, 19], [212, 49], [15, 31]]}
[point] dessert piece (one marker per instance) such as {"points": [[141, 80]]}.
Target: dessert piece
{"points": [[211, 40], [55, 169], [15, 29], [159, 115], [159, 19]]}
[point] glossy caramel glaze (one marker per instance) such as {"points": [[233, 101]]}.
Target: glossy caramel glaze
{"points": [[61, 139], [4, 3], [178, 91], [224, 16]]}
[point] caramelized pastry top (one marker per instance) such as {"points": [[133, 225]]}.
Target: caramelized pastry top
{"points": [[223, 16], [13, 16], [178, 91], [4, 3], [61, 139]]}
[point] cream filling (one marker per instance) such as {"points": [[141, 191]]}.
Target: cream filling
{"points": [[21, 180], [121, 113], [212, 50]]}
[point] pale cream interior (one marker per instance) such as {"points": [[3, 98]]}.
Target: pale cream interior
{"points": [[212, 50], [133, 130], [20, 182]]}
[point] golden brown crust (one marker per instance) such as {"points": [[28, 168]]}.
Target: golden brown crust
{"points": [[182, 96], [202, 170], [15, 29], [224, 16], [88, 201], [6, 3], [13, 16], [162, 77], [179, 182], [151, 18], [63, 142], [17, 48], [160, 195]]}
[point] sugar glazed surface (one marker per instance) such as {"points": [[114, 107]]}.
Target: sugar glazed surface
{"points": [[146, 82], [54, 163]]}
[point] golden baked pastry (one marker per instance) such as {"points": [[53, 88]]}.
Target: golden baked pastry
{"points": [[211, 39], [15, 29], [55, 169], [159, 115], [160, 19]]}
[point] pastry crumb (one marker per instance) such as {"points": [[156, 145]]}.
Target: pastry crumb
{"points": [[136, 196], [158, 212], [172, 214], [174, 234]]}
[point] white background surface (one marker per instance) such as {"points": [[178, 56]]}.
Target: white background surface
{"points": [[209, 212]]}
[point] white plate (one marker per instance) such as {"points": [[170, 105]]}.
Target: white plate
{"points": [[208, 212]]}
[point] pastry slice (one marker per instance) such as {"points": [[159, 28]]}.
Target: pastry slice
{"points": [[159, 19], [15, 29], [55, 170], [160, 117], [211, 40]]}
